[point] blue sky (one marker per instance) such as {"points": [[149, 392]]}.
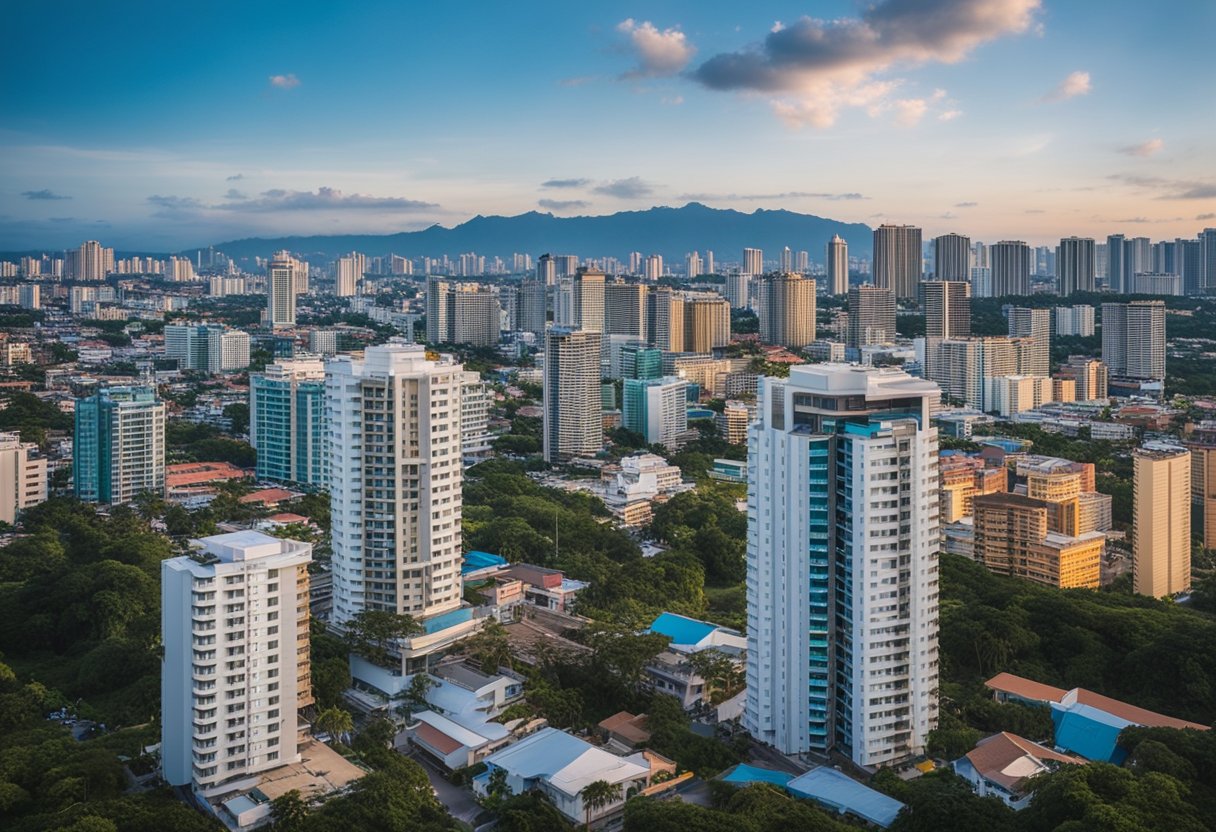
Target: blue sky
{"points": [[165, 125]]}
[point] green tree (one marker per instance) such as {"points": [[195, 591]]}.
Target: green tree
{"points": [[289, 812], [415, 695], [335, 722], [599, 795], [371, 632]]}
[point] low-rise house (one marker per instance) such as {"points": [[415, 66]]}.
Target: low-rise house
{"points": [[1001, 765], [625, 730], [453, 741], [560, 766], [672, 672]]}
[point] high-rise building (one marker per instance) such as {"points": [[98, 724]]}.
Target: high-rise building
{"points": [[287, 421], [348, 272], [1010, 268], [1035, 325], [947, 305], [707, 321], [654, 267], [732, 422], [1188, 263], [641, 362], [1133, 339], [533, 299], [580, 301], [844, 657], [89, 261], [462, 313], [546, 270], [952, 257], [23, 477], [179, 269], [395, 492], [1202, 445], [871, 316], [625, 309], [665, 319], [657, 409], [837, 260], [1116, 263], [802, 262], [236, 666], [1152, 283], [281, 290], [1207, 258], [1161, 520], [786, 308], [475, 402], [1013, 536], [118, 451], [1089, 375], [1137, 259], [1075, 267], [709, 263], [753, 261], [565, 264], [962, 479], [1074, 321], [227, 350], [897, 259], [573, 424], [692, 265], [787, 261], [737, 290]]}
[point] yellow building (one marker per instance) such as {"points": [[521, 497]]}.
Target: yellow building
{"points": [[1202, 445], [1161, 521], [1013, 537]]}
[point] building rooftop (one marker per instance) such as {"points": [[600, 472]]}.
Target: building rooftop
{"points": [[1008, 760], [627, 725], [1033, 691], [838, 791], [234, 547], [566, 762]]}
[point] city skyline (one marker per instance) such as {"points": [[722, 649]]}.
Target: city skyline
{"points": [[971, 116]]}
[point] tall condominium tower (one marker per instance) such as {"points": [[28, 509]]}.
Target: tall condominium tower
{"points": [[533, 299], [395, 491], [842, 566], [625, 309], [573, 423], [952, 257], [1161, 520], [947, 305], [653, 269], [1010, 268], [837, 260], [580, 301], [236, 669], [462, 313], [871, 316], [737, 290], [753, 261], [1207, 258], [1202, 444], [1133, 339], [1115, 263], [787, 260], [281, 290], [348, 271], [1034, 324], [706, 321], [287, 421], [1075, 267], [693, 266], [119, 446], [656, 408], [546, 269], [897, 259], [786, 307]]}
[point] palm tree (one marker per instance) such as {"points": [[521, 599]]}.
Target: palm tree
{"points": [[599, 795], [335, 722]]}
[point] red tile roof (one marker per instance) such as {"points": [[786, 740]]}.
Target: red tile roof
{"points": [[1025, 688], [268, 496], [997, 759], [436, 739]]}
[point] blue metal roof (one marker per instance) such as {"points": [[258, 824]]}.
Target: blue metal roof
{"points": [[1088, 731], [476, 561], [842, 793], [681, 629], [743, 774]]}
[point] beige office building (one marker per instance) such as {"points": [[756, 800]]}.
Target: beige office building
{"points": [[23, 478], [1161, 521]]}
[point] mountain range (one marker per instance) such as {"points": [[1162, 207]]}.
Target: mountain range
{"points": [[671, 232]]}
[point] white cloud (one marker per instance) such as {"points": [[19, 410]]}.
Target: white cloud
{"points": [[909, 111], [949, 115], [285, 82], [658, 52], [632, 188], [1146, 148], [1077, 83], [325, 199], [816, 68]]}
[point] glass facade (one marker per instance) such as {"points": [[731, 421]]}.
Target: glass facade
{"points": [[288, 429]]}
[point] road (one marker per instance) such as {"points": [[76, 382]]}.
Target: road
{"points": [[458, 801]]}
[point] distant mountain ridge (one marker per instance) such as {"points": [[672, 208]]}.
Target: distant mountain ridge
{"points": [[671, 232]]}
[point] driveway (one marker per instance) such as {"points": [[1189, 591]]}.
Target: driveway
{"points": [[458, 801]]}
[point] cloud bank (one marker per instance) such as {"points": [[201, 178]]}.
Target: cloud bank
{"points": [[658, 52]]}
